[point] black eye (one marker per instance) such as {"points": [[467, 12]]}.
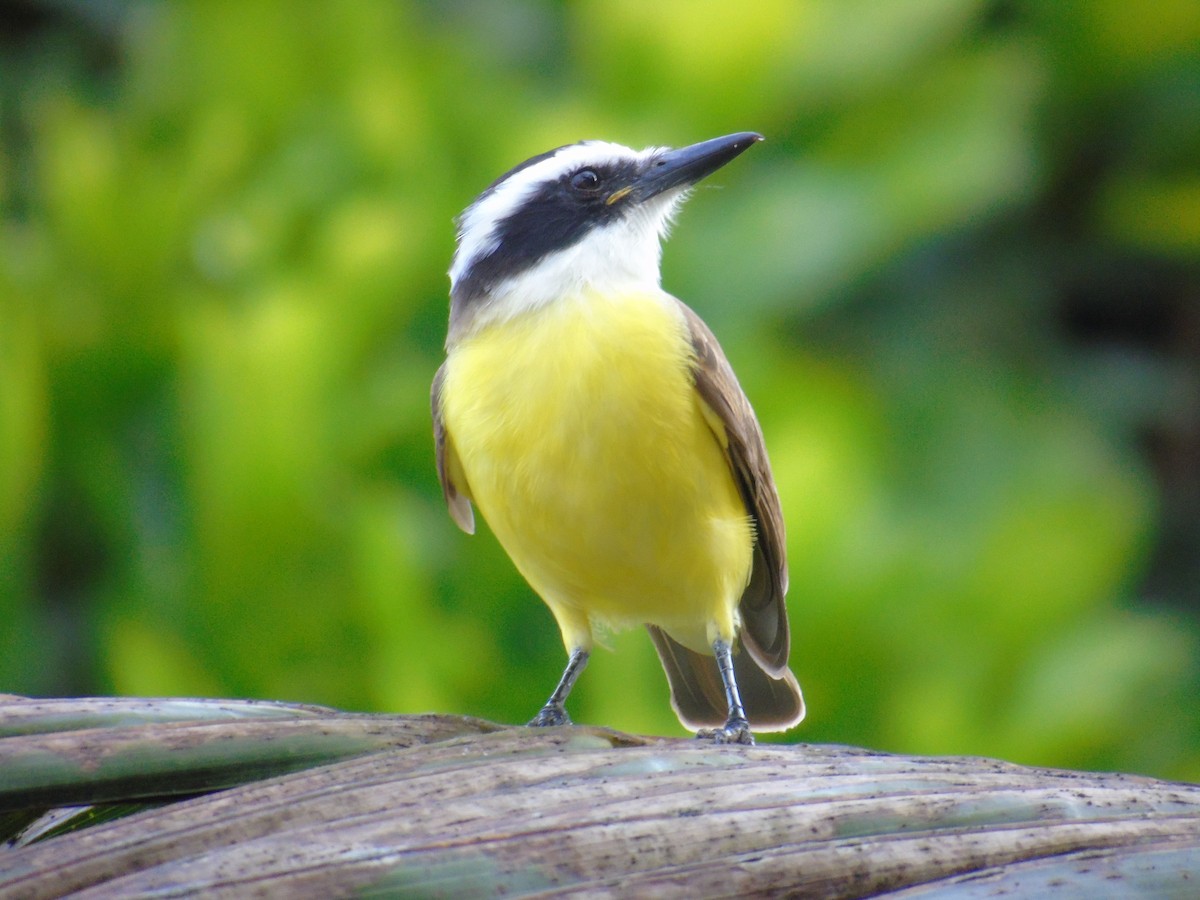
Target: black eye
{"points": [[585, 180]]}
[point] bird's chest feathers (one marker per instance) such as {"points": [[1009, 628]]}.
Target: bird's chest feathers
{"points": [[584, 382]]}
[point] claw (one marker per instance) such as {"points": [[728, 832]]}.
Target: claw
{"points": [[555, 710], [732, 732], [550, 715]]}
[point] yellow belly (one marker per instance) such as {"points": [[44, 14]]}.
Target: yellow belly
{"points": [[585, 448]]}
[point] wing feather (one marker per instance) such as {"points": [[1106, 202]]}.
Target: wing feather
{"points": [[449, 469], [764, 614]]}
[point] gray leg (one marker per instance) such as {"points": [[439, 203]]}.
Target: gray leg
{"points": [[555, 711], [737, 728]]}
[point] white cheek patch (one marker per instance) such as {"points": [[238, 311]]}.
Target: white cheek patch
{"points": [[621, 257], [476, 232]]}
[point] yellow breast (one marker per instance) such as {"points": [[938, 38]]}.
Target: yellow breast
{"points": [[584, 446]]}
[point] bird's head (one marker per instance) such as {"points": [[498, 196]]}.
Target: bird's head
{"points": [[585, 216]]}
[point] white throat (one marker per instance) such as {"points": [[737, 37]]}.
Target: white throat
{"points": [[620, 258]]}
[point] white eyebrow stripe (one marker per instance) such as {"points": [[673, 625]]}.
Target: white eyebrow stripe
{"points": [[476, 230]]}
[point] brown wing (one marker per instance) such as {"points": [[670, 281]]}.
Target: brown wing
{"points": [[764, 615], [449, 469]]}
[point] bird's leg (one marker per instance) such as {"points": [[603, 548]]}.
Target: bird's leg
{"points": [[736, 729], [555, 711]]}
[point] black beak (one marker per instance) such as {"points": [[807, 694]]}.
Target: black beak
{"points": [[688, 165]]}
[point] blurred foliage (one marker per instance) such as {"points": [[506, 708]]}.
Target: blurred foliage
{"points": [[960, 281]]}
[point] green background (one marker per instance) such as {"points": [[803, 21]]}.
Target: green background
{"points": [[959, 281]]}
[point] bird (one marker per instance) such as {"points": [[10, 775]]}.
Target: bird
{"points": [[596, 424]]}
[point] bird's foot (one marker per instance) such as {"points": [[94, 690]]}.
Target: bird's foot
{"points": [[550, 715], [735, 731]]}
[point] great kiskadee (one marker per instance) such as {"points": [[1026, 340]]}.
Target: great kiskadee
{"points": [[597, 425]]}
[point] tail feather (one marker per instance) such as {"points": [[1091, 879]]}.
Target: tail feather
{"points": [[698, 696]]}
